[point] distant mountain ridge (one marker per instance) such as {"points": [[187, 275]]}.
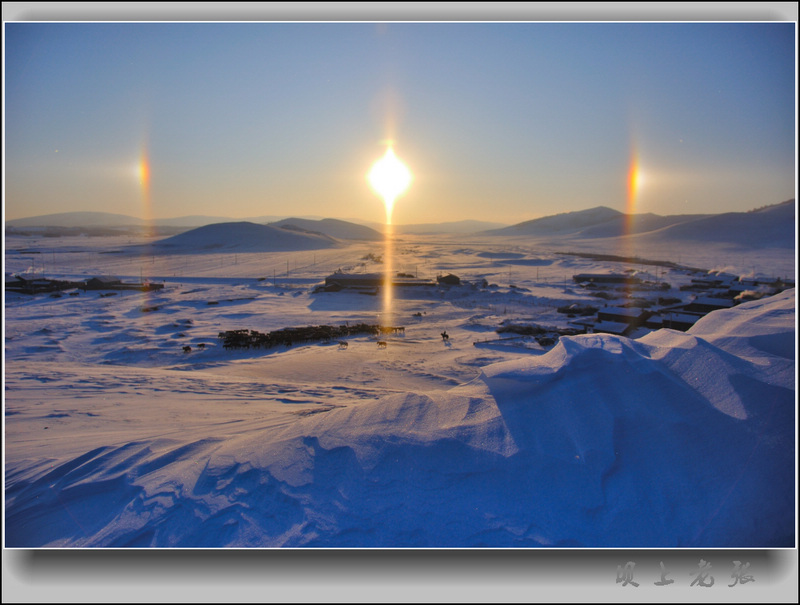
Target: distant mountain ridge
{"points": [[77, 219], [107, 219], [338, 228], [465, 226], [768, 226]]}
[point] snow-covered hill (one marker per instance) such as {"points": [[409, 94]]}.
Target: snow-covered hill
{"points": [[243, 237], [769, 227], [635, 224], [332, 227], [560, 224]]}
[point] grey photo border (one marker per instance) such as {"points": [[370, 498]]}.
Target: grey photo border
{"points": [[392, 575]]}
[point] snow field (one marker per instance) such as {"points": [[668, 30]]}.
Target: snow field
{"points": [[117, 438]]}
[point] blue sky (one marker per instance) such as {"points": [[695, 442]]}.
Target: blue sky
{"points": [[497, 121]]}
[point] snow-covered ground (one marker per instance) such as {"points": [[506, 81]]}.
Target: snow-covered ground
{"points": [[116, 436]]}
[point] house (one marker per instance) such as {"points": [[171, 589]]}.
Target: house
{"points": [[612, 327], [584, 324], [679, 321], [355, 280], [655, 322], [708, 304], [627, 315]]}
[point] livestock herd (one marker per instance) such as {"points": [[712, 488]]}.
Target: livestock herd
{"points": [[251, 339]]}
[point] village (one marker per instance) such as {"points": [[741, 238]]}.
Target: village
{"points": [[648, 306], [629, 303]]}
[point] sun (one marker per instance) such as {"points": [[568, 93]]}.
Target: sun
{"points": [[389, 177]]}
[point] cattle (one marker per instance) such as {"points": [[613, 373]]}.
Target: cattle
{"points": [[187, 349], [381, 344], [342, 344], [246, 339]]}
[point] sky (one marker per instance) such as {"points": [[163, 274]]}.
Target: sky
{"points": [[500, 121]]}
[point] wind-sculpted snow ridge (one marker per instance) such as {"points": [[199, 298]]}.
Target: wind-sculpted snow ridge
{"points": [[674, 440]]}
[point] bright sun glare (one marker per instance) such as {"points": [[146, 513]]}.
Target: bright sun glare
{"points": [[389, 177]]}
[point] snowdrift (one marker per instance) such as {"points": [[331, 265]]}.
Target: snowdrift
{"points": [[674, 440]]}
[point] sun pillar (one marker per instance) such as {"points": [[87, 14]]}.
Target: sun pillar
{"points": [[389, 177]]}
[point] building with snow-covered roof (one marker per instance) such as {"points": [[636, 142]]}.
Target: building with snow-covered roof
{"points": [[626, 315], [706, 304], [612, 327], [679, 321], [355, 280]]}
